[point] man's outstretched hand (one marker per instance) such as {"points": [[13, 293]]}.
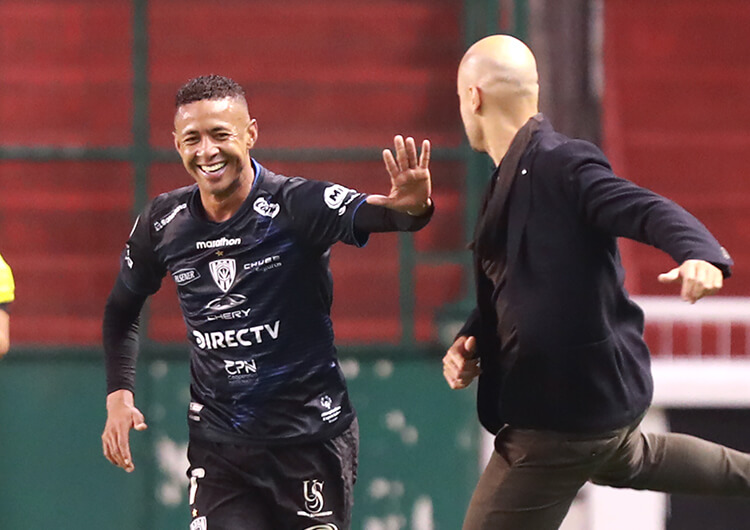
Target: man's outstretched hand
{"points": [[699, 278], [411, 184]]}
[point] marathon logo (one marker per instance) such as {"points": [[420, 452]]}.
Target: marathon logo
{"points": [[158, 225], [219, 243], [236, 338]]}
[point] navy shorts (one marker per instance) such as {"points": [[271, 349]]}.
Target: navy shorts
{"points": [[304, 486]]}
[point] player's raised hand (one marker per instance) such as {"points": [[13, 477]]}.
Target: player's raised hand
{"points": [[411, 184], [699, 278], [460, 365], [121, 417]]}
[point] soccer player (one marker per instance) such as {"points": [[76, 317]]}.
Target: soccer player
{"points": [[7, 294], [565, 374], [273, 436]]}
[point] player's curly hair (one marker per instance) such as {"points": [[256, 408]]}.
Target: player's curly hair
{"points": [[208, 87]]}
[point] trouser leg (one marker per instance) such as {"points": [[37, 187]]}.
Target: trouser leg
{"points": [[532, 479], [677, 463]]}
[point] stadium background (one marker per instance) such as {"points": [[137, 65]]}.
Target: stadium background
{"points": [[86, 108]]}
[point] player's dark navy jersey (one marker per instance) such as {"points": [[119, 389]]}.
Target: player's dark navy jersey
{"points": [[255, 293]]}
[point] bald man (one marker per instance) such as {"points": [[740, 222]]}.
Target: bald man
{"points": [[565, 374]]}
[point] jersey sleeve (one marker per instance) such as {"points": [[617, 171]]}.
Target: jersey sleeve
{"points": [[323, 212], [140, 268], [7, 286]]}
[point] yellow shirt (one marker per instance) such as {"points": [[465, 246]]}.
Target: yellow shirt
{"points": [[7, 287]]}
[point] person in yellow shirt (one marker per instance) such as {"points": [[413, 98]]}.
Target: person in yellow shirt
{"points": [[7, 294]]}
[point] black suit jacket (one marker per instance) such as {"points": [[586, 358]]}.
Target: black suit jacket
{"points": [[579, 363]]}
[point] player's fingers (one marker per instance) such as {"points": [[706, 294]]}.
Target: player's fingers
{"points": [[390, 163], [107, 449], [123, 449], [139, 421], [400, 148], [411, 152], [424, 156]]}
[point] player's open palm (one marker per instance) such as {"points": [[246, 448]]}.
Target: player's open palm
{"points": [[122, 415], [411, 184]]}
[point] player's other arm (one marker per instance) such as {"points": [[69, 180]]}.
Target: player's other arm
{"points": [[120, 337]]}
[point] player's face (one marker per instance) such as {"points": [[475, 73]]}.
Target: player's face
{"points": [[214, 138]]}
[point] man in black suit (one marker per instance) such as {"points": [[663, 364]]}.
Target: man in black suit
{"points": [[564, 373]]}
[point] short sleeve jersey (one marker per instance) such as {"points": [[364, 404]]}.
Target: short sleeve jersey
{"points": [[255, 293], [7, 286]]}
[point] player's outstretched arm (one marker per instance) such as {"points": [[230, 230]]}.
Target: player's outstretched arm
{"points": [[699, 278], [411, 184], [122, 415]]}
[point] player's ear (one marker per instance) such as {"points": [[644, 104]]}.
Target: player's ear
{"points": [[252, 133], [176, 141]]}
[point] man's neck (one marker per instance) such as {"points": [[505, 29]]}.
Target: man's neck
{"points": [[221, 207], [501, 131]]}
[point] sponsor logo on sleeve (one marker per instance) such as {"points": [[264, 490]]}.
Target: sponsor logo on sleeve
{"points": [[265, 208], [158, 225], [128, 259], [335, 196]]}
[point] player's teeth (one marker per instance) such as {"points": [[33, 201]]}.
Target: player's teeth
{"points": [[215, 167]]}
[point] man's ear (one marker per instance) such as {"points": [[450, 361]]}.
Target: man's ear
{"points": [[475, 93], [252, 132]]}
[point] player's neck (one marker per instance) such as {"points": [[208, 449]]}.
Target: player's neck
{"points": [[220, 207]]}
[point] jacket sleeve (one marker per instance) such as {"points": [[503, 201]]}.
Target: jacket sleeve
{"points": [[620, 208]]}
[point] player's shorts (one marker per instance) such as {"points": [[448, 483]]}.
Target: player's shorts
{"points": [[290, 487]]}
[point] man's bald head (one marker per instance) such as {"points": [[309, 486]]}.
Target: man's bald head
{"points": [[500, 65], [498, 91]]}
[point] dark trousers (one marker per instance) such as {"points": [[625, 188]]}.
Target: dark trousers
{"points": [[533, 476]]}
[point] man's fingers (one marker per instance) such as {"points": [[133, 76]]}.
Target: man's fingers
{"points": [[390, 163], [424, 156], [411, 152], [671, 276], [470, 347], [400, 148]]}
